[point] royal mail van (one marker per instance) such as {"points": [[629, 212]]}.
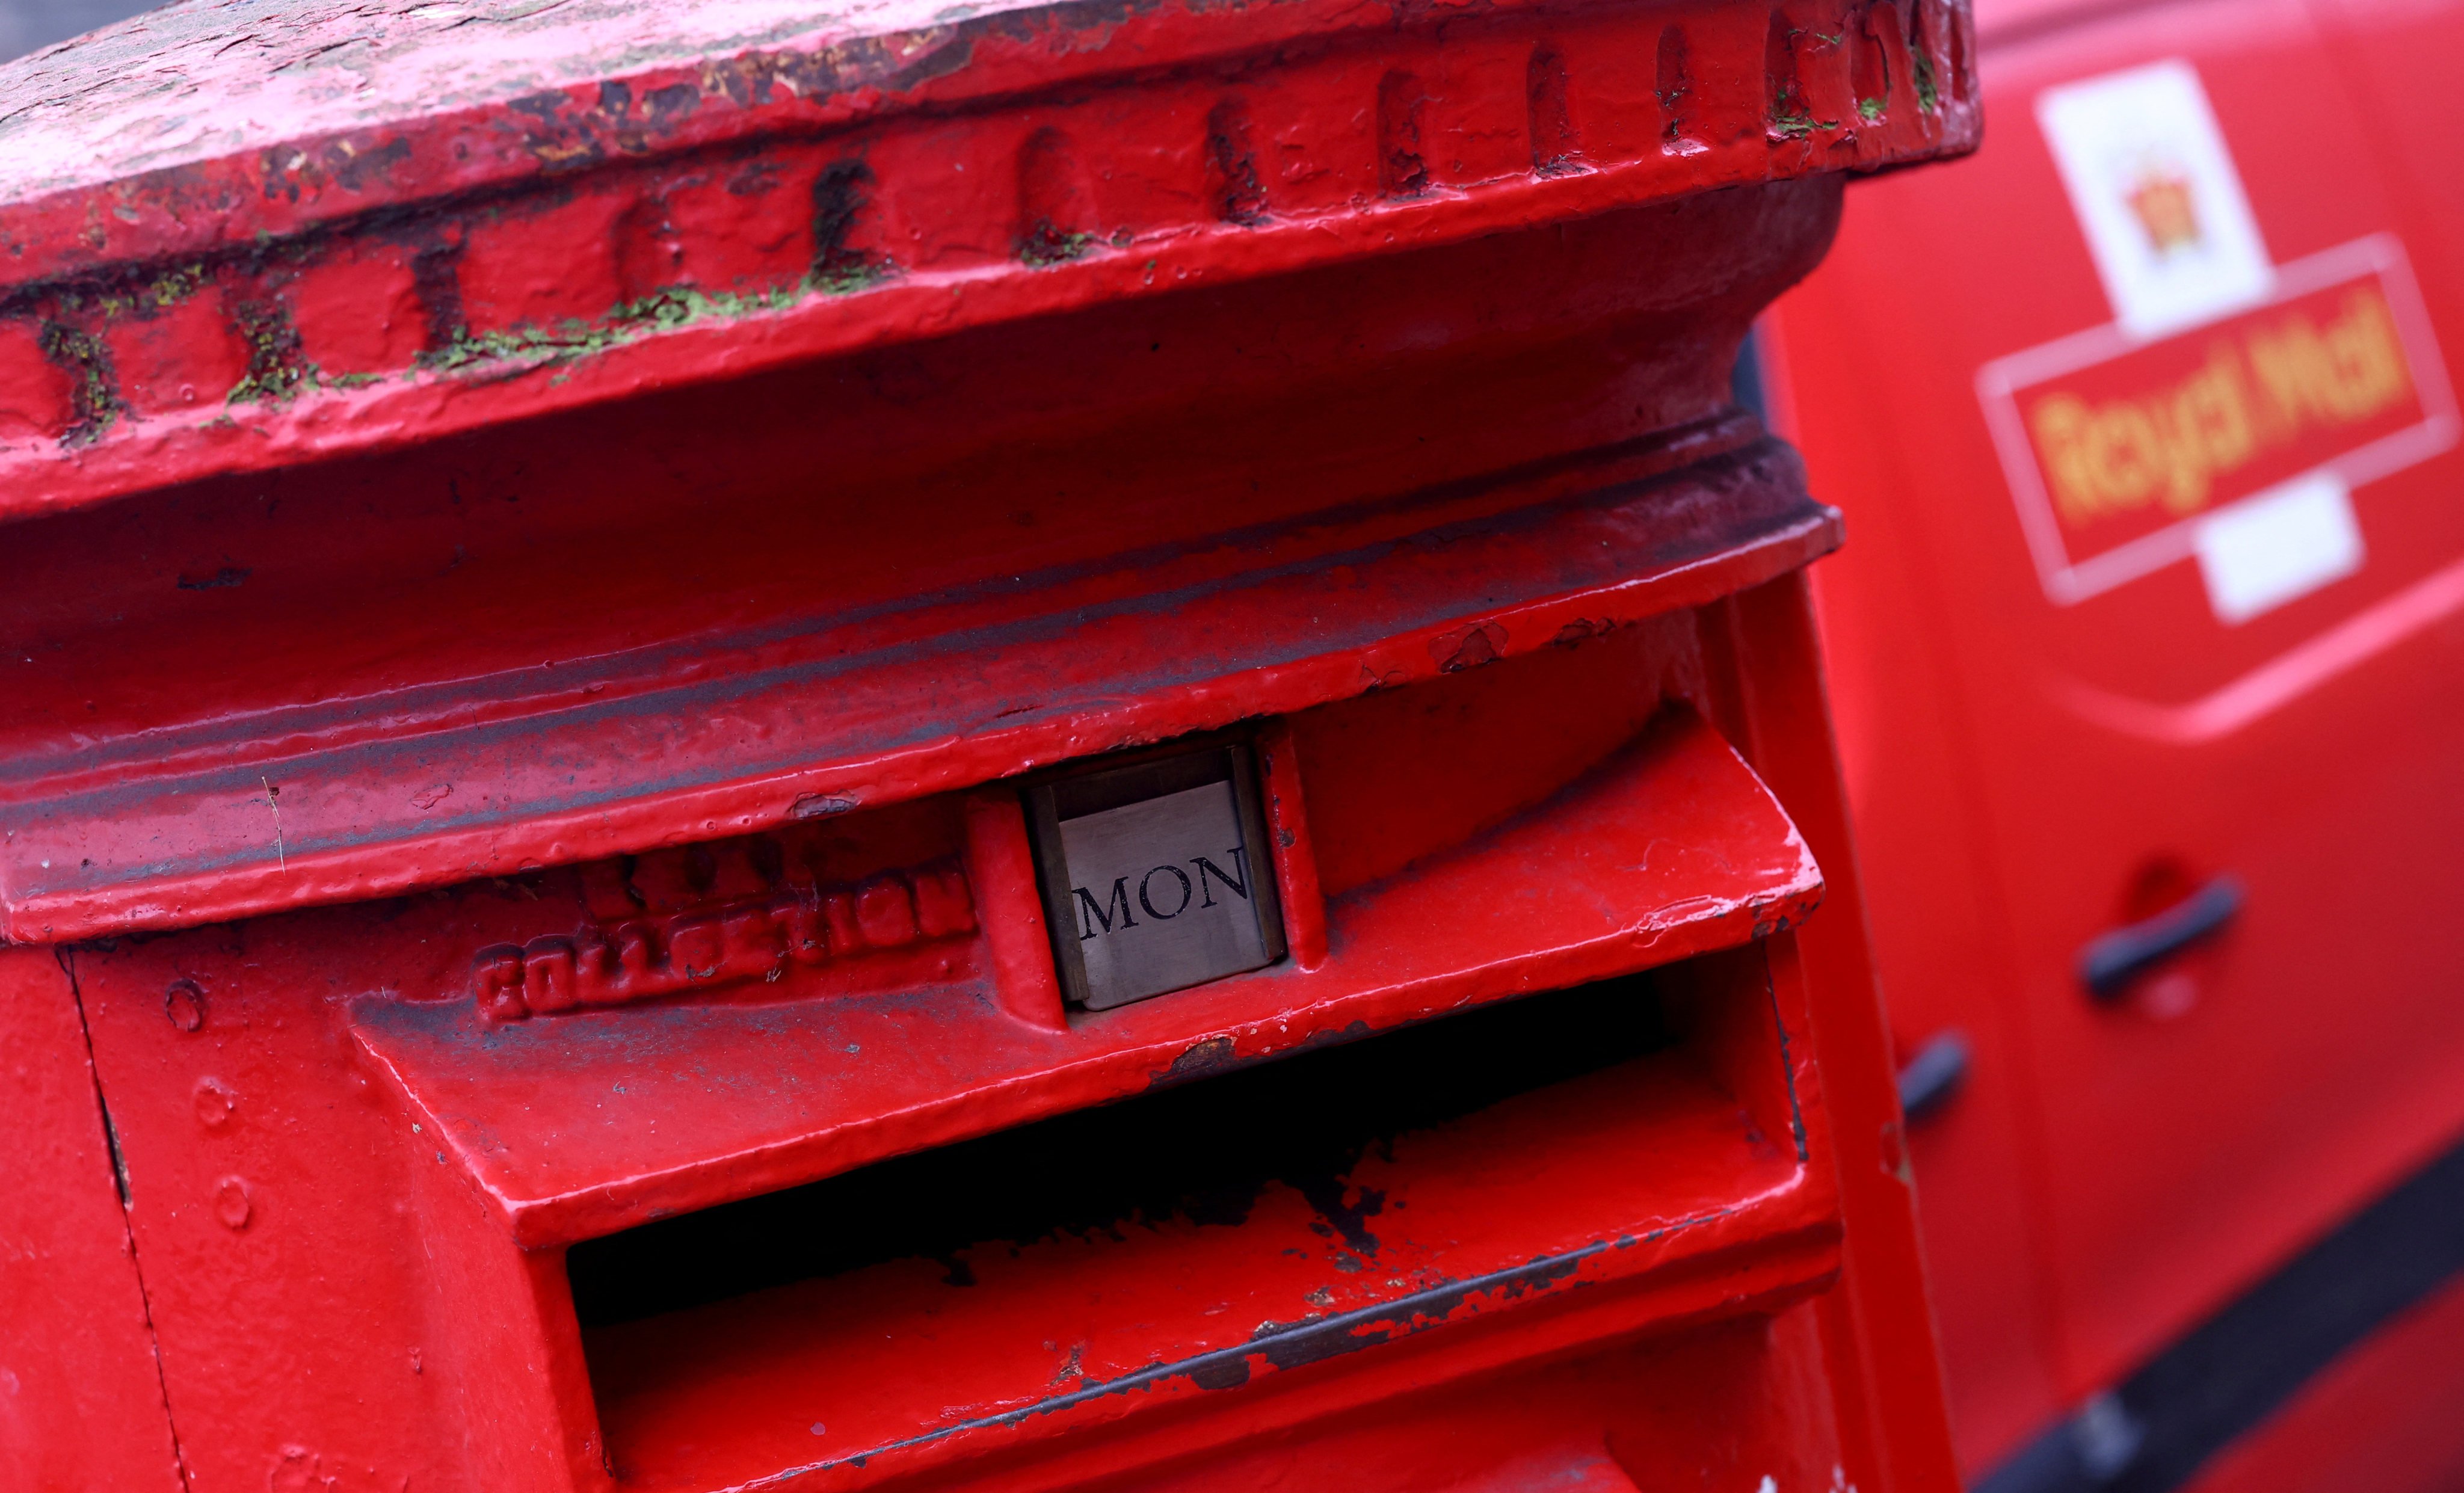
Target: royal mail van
{"points": [[2147, 649]]}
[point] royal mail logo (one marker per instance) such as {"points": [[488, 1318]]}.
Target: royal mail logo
{"points": [[2168, 208], [2152, 182], [2273, 393], [2119, 449], [744, 939]]}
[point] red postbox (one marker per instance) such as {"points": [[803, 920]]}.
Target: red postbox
{"points": [[1016, 747]]}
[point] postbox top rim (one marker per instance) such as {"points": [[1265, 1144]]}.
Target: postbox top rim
{"points": [[203, 80]]}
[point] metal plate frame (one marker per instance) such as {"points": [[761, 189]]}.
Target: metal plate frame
{"points": [[1130, 778]]}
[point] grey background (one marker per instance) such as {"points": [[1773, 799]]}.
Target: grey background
{"points": [[28, 24]]}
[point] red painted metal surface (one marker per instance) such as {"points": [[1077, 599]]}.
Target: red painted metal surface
{"points": [[81, 1397], [544, 546], [2035, 755]]}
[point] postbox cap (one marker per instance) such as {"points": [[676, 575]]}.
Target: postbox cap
{"points": [[517, 186]]}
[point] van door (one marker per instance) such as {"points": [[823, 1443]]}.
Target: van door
{"points": [[2148, 449]]}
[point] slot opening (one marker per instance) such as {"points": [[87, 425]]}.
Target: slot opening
{"points": [[1198, 1150], [1159, 1244]]}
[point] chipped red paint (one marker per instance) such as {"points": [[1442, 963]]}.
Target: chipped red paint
{"points": [[542, 548]]}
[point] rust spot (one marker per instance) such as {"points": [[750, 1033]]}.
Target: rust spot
{"points": [[94, 388], [838, 197], [755, 179], [275, 365], [350, 167], [566, 143], [1401, 104], [667, 106], [1220, 1373], [1675, 84], [1550, 105], [1789, 114], [1200, 1060], [1055, 221], [546, 106], [437, 279], [1870, 70], [277, 166], [818, 805], [1233, 166], [221, 580], [1348, 1219]]}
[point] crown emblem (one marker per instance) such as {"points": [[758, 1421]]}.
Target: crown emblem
{"points": [[2165, 208]]}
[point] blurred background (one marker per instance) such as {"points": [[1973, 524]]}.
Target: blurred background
{"points": [[2145, 650], [26, 25]]}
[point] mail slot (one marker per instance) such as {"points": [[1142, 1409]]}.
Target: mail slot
{"points": [[1021, 748]]}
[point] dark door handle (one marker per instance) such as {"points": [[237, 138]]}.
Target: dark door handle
{"points": [[2112, 961], [1929, 1080]]}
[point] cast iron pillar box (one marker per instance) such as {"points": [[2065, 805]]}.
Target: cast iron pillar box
{"points": [[1007, 747]]}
